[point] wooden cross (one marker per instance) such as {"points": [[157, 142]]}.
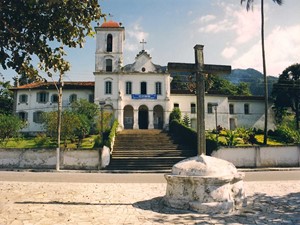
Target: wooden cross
{"points": [[143, 42], [200, 69]]}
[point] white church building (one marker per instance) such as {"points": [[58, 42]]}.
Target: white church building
{"points": [[139, 94]]}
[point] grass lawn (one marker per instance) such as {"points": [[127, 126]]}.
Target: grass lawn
{"points": [[259, 138], [87, 143], [270, 141]]}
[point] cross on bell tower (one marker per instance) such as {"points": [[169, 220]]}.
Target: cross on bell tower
{"points": [[143, 42]]}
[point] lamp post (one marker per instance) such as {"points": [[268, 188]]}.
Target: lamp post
{"points": [[59, 86]]}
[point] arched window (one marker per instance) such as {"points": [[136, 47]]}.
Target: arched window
{"points": [[109, 43], [143, 88], [108, 63]]}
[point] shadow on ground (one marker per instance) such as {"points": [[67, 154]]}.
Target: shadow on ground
{"points": [[260, 209]]}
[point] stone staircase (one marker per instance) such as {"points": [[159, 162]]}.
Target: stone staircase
{"points": [[146, 150]]}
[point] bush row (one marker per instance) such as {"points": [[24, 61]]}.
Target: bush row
{"points": [[188, 137]]}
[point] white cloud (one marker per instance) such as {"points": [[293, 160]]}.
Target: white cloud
{"points": [[245, 25], [282, 50], [229, 52], [134, 35], [207, 18]]}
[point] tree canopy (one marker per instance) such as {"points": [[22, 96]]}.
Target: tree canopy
{"points": [[39, 29], [222, 86], [287, 92], [6, 97]]}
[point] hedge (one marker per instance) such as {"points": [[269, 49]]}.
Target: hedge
{"points": [[188, 137]]}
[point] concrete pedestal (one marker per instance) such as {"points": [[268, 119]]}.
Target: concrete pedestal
{"points": [[205, 184]]}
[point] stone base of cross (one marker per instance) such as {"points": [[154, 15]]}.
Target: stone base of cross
{"points": [[200, 69]]}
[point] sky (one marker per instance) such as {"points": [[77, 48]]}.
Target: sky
{"points": [[230, 34]]}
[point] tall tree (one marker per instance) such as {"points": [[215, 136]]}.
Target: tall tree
{"points": [[287, 92], [40, 29], [248, 6], [31, 29]]}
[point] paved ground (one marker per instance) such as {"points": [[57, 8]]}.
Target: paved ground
{"points": [[24, 203]]}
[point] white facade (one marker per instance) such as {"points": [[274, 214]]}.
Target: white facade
{"points": [[139, 94], [33, 99]]}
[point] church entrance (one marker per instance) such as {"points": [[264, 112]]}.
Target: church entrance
{"points": [[158, 116], [128, 117], [143, 117]]}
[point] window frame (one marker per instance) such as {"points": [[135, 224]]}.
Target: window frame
{"points": [[54, 98], [246, 109], [231, 109], [42, 97], [193, 108], [108, 65], [108, 87], [23, 98], [72, 98], [23, 116], [128, 87], [143, 88], [210, 108], [38, 117], [158, 88], [109, 43]]}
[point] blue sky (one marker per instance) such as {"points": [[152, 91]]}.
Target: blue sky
{"points": [[171, 28]]}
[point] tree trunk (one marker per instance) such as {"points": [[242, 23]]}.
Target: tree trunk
{"points": [[59, 112], [264, 72]]}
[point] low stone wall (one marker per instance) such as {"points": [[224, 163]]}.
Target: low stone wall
{"points": [[275, 156], [243, 157], [46, 159]]}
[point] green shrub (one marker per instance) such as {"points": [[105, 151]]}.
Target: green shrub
{"points": [[175, 115], [41, 139], [231, 138], [97, 141], [247, 135], [287, 135], [111, 134], [186, 120], [188, 137]]}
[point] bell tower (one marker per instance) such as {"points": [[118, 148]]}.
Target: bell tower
{"points": [[110, 38]]}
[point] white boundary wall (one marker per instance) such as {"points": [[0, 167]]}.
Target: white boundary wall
{"points": [[46, 159], [281, 156]]}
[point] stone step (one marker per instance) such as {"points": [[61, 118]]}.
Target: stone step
{"points": [[146, 150]]}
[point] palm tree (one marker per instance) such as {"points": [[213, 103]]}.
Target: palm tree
{"points": [[248, 6]]}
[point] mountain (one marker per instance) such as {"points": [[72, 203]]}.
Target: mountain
{"points": [[254, 78]]}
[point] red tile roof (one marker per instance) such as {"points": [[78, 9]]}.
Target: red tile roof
{"points": [[38, 85], [110, 24]]}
